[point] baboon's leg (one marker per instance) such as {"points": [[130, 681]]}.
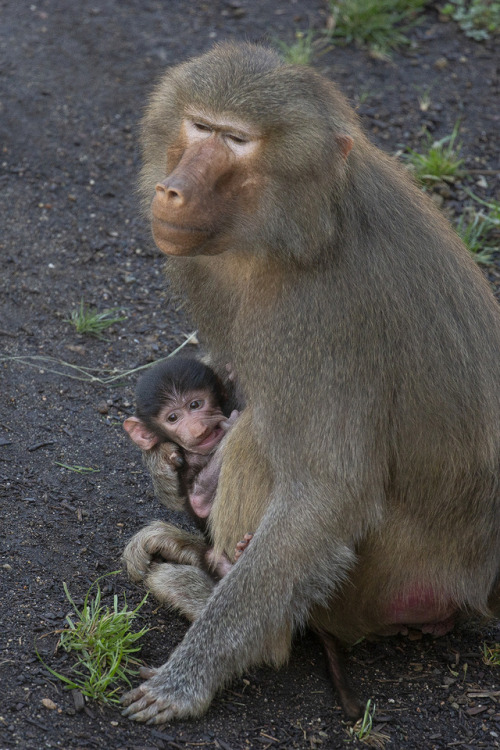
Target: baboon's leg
{"points": [[184, 588], [494, 600], [164, 540], [348, 699]]}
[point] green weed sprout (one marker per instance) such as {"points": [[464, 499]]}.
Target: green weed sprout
{"points": [[366, 722], [101, 639], [491, 654], [363, 729]]}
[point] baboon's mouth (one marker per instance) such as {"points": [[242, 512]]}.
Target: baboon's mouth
{"points": [[212, 439], [174, 239], [169, 227]]}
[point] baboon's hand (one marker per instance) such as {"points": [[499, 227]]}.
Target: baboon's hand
{"points": [[172, 455], [161, 698], [229, 422]]}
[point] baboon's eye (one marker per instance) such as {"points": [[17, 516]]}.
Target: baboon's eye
{"points": [[202, 127], [236, 138]]}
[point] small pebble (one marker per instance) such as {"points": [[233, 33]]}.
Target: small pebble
{"points": [[78, 700], [441, 63], [49, 704]]}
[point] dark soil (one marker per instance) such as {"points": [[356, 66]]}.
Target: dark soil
{"points": [[74, 79]]}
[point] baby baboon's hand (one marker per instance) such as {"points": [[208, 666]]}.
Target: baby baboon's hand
{"points": [[171, 454], [228, 423], [241, 546]]}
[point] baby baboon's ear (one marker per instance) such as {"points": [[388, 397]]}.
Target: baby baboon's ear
{"points": [[139, 433]]}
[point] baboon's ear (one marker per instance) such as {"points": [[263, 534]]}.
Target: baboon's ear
{"points": [[139, 433], [345, 143]]}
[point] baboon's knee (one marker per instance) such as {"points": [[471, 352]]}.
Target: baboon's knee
{"points": [[163, 540]]}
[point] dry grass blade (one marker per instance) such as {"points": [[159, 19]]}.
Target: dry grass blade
{"points": [[85, 374]]}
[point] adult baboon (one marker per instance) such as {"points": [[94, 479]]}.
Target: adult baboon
{"points": [[367, 345]]}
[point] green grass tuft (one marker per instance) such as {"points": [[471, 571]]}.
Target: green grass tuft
{"points": [[474, 234], [480, 229], [381, 25], [86, 320], [441, 159], [103, 643], [300, 51], [478, 19]]}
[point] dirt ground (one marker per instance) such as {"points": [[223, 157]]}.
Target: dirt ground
{"points": [[74, 78]]}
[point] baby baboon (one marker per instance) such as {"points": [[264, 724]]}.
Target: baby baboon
{"points": [[180, 422], [367, 345], [181, 402]]}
